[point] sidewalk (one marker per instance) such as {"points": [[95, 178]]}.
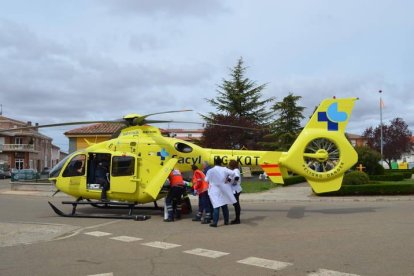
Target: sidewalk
{"points": [[299, 192]]}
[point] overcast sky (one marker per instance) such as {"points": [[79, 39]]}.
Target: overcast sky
{"points": [[84, 60]]}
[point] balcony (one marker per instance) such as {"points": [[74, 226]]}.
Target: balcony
{"points": [[18, 147]]}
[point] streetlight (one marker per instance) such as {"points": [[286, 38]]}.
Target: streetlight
{"points": [[381, 142]]}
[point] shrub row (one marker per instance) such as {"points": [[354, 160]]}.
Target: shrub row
{"points": [[407, 173], [388, 177], [294, 179], [373, 189]]}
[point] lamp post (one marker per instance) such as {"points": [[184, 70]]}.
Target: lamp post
{"points": [[381, 142]]}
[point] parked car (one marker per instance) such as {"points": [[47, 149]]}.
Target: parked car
{"points": [[4, 174], [45, 171]]}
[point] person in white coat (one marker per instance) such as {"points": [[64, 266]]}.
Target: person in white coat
{"points": [[236, 187], [220, 191]]}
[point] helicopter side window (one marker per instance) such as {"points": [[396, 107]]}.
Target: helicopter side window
{"points": [[181, 147], [76, 166], [123, 165]]}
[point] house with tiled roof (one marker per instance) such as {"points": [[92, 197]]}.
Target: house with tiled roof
{"points": [[25, 148], [357, 140], [186, 134], [82, 137]]}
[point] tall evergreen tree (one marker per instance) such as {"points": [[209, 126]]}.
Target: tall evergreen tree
{"points": [[287, 126], [239, 102], [241, 97]]}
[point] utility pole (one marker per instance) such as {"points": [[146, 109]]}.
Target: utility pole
{"points": [[381, 142]]}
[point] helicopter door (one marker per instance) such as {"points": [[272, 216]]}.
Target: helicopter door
{"points": [[122, 174], [98, 170]]}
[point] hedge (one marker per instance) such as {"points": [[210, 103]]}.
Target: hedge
{"points": [[294, 179], [407, 173], [373, 189], [388, 177]]}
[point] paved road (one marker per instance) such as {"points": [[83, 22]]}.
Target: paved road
{"points": [[289, 237]]}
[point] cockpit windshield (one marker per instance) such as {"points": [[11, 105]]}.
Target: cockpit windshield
{"points": [[55, 171]]}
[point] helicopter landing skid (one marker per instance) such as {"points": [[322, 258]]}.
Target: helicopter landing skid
{"points": [[110, 205], [75, 204]]}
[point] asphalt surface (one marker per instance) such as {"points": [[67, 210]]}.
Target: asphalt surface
{"points": [[286, 231]]}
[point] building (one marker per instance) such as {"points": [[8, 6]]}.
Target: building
{"points": [[80, 138], [357, 140], [25, 148], [190, 135]]}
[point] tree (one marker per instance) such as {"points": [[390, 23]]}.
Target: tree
{"points": [[239, 102], [221, 136], [396, 139], [286, 127], [369, 158]]}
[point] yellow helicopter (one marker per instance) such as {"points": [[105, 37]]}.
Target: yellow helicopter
{"points": [[140, 159]]}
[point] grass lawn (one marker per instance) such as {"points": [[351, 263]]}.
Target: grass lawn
{"points": [[254, 185]]}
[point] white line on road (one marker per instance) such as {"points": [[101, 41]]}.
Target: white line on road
{"points": [[275, 265], [98, 234], [325, 272], [206, 253], [162, 245], [125, 239], [103, 274]]}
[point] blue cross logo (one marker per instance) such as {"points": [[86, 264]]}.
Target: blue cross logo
{"points": [[162, 154], [332, 116]]}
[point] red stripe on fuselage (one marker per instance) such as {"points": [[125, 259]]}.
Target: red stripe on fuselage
{"points": [[274, 174], [270, 166]]}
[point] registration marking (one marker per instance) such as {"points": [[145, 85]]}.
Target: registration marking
{"points": [[162, 245], [98, 234], [270, 264], [206, 253], [325, 272], [126, 239]]}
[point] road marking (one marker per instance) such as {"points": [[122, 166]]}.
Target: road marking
{"points": [[126, 239], [162, 245], [275, 265], [325, 272], [98, 234], [206, 253], [103, 274]]}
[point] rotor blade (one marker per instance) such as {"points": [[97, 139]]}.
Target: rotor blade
{"points": [[61, 124], [212, 124], [164, 112]]}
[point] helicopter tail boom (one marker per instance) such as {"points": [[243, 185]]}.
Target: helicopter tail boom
{"points": [[322, 153]]}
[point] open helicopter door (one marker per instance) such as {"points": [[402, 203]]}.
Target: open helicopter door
{"points": [[99, 165]]}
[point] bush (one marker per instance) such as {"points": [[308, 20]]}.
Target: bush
{"points": [[369, 158], [388, 177], [355, 178], [294, 179], [407, 173], [373, 189]]}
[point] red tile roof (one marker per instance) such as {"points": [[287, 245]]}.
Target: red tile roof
{"points": [[101, 128]]}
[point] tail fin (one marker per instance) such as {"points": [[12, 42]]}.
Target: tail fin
{"points": [[321, 153]]}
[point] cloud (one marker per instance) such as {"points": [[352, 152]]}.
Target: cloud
{"points": [[177, 8]]}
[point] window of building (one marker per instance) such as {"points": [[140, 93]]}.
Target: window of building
{"points": [[123, 165], [19, 164], [18, 140]]}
